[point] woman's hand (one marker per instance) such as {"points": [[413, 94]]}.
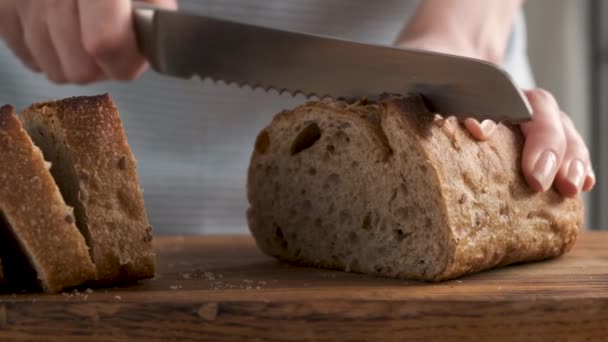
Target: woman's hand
{"points": [[554, 152], [75, 41]]}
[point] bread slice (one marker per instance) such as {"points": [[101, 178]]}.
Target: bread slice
{"points": [[394, 190], [38, 238], [94, 168]]}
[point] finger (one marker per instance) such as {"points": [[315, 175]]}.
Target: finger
{"points": [[64, 30], [571, 176], [480, 131], [108, 37], [11, 32], [545, 140], [589, 179], [38, 42]]}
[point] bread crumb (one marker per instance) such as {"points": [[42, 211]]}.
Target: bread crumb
{"points": [[88, 290], [209, 311], [186, 275], [85, 297], [118, 297], [175, 287], [209, 276]]}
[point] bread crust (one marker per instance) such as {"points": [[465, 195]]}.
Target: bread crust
{"points": [[99, 178], [35, 212], [473, 211]]}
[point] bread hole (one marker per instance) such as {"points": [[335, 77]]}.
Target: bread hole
{"points": [[333, 179], [306, 206], [312, 171], [318, 223], [306, 138], [354, 164], [504, 210], [462, 199], [421, 261], [342, 137], [367, 220], [353, 238], [262, 142], [478, 219], [344, 217], [18, 271], [400, 235], [379, 268], [330, 148], [428, 223], [122, 163], [404, 189], [331, 208], [303, 192], [278, 233], [403, 213]]}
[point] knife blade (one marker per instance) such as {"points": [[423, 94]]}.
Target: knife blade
{"points": [[187, 45]]}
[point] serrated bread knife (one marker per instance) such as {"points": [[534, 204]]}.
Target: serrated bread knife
{"points": [[186, 45]]}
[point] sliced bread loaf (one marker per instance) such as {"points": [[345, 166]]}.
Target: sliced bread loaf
{"points": [[394, 190], [94, 168], [39, 242]]}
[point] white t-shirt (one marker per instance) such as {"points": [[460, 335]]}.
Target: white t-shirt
{"points": [[192, 140]]}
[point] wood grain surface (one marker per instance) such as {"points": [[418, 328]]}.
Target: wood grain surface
{"points": [[221, 288]]}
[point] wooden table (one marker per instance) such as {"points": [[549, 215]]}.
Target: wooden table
{"points": [[222, 288]]}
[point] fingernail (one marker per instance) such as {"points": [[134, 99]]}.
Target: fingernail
{"points": [[487, 126], [544, 170], [576, 174], [589, 180]]}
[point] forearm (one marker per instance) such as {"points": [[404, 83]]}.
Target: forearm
{"points": [[472, 28]]}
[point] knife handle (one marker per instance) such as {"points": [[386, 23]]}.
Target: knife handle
{"points": [[143, 22]]}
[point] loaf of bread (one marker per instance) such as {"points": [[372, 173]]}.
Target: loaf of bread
{"points": [[93, 166], [39, 242], [391, 189]]}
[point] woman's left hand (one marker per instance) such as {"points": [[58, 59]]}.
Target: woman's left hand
{"points": [[554, 152]]}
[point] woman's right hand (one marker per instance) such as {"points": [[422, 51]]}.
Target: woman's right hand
{"points": [[75, 41]]}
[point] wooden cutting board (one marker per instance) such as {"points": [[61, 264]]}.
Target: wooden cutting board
{"points": [[222, 288]]}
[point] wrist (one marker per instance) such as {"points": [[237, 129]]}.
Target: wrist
{"points": [[454, 43]]}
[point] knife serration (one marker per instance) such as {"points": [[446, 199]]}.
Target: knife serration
{"points": [[187, 45]]}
